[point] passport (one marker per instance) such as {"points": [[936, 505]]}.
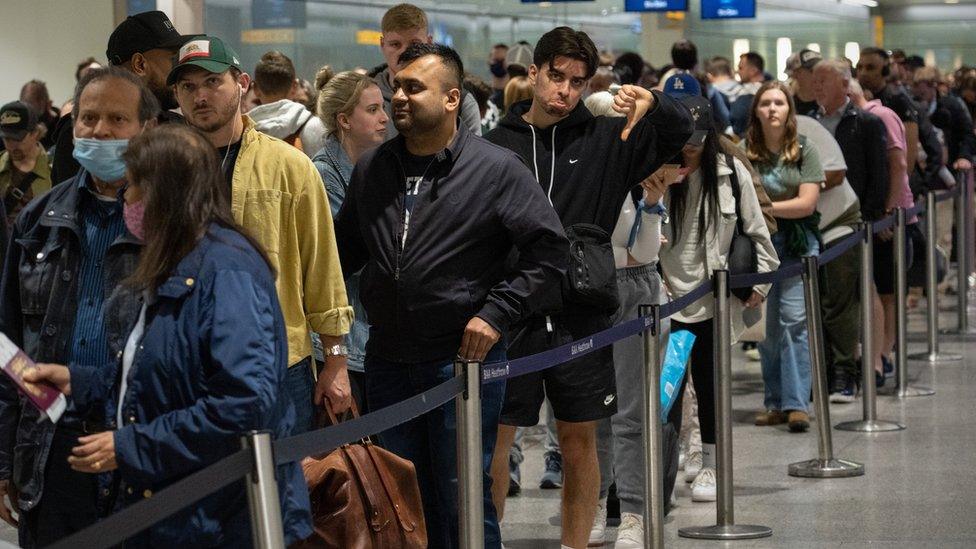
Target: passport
{"points": [[44, 396]]}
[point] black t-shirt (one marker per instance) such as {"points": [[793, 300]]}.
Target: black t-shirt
{"points": [[807, 108], [415, 170], [896, 98], [228, 158]]}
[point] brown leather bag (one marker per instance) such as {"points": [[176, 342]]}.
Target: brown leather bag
{"points": [[361, 484]]}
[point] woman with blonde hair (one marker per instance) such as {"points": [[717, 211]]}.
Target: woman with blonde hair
{"points": [[517, 89], [350, 106], [791, 174]]}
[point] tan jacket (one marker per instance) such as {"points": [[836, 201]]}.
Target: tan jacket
{"points": [[40, 182], [278, 197]]}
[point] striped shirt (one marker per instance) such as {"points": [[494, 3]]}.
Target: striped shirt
{"points": [[101, 224]]}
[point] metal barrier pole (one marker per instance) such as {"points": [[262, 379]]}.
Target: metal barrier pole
{"points": [[262, 493], [825, 466], [471, 509], [653, 435], [933, 356], [870, 423], [725, 529], [902, 388], [961, 202]]}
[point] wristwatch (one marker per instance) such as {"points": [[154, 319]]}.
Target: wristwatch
{"points": [[336, 350]]}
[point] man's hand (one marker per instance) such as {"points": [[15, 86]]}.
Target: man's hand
{"points": [[55, 374], [962, 164], [754, 300], [8, 489], [94, 453], [332, 388], [479, 338], [633, 101]]}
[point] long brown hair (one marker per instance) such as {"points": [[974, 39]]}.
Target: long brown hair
{"points": [[755, 140], [183, 190]]}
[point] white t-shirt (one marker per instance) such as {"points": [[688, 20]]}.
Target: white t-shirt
{"points": [[833, 203]]}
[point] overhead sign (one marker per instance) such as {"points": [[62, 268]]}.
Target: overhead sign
{"points": [[139, 6], [278, 14], [655, 5], [268, 36], [368, 37], [728, 9]]}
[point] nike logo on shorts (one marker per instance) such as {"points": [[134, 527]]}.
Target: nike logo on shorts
{"points": [[609, 399]]}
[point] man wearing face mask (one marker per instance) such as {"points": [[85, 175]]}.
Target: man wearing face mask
{"points": [[277, 195], [144, 44], [499, 74], [70, 249]]}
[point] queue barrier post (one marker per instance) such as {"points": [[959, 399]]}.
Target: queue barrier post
{"points": [[653, 437], [471, 510], [902, 389], [870, 423], [962, 201], [825, 465], [262, 493], [933, 355], [725, 527]]}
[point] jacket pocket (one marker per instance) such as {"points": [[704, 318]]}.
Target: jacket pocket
{"points": [[38, 269], [440, 309], [267, 214]]}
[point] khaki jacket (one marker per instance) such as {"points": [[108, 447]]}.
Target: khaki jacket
{"points": [[278, 197], [40, 182]]}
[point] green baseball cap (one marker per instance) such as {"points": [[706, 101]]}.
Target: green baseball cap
{"points": [[207, 52]]}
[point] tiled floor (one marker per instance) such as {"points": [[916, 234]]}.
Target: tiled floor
{"points": [[919, 487]]}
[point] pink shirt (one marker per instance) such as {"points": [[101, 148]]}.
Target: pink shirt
{"points": [[895, 130]]}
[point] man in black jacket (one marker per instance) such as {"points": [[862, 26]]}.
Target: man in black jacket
{"points": [[587, 166], [432, 217]]}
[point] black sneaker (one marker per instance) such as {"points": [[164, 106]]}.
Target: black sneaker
{"points": [[514, 477], [842, 388], [552, 478]]}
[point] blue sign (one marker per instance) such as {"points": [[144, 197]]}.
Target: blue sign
{"points": [[728, 9], [278, 14], [553, 1], [138, 6], [655, 5]]}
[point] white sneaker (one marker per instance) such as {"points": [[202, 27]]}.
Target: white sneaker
{"points": [[682, 457], [693, 465], [703, 489], [752, 354], [630, 533], [598, 532]]}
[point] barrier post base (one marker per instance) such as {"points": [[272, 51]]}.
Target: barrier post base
{"points": [[935, 358], [826, 468], [869, 426], [728, 532], [910, 391], [957, 332]]}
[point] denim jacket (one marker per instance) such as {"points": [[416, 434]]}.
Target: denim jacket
{"points": [[335, 168], [38, 302]]}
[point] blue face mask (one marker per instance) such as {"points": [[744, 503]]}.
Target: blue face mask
{"points": [[101, 157]]}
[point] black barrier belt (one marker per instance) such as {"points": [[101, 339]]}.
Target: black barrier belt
{"points": [[748, 280], [948, 195], [917, 209], [673, 307], [179, 495], [841, 247], [318, 442]]}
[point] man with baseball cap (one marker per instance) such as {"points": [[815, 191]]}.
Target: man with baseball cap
{"points": [[23, 165], [799, 67], [143, 44], [278, 196]]}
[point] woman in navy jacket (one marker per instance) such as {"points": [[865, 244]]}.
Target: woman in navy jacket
{"points": [[206, 360]]}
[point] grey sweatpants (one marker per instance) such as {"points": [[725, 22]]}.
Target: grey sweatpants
{"points": [[619, 447]]}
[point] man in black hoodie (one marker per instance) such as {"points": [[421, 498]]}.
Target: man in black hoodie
{"points": [[431, 217], [587, 166]]}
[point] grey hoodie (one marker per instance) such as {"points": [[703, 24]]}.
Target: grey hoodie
{"points": [[285, 117], [470, 114]]}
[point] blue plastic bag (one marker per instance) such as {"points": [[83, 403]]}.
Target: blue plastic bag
{"points": [[673, 370]]}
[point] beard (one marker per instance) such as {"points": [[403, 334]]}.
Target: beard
{"points": [[220, 117], [164, 94], [415, 122], [554, 111]]}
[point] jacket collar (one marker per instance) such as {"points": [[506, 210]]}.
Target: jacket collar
{"points": [[184, 278], [579, 115], [398, 147], [63, 207], [40, 169]]}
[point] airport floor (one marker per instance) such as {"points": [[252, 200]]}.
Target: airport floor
{"points": [[918, 490], [919, 487]]}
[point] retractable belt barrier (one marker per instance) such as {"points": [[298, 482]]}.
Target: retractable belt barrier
{"points": [[183, 493]]}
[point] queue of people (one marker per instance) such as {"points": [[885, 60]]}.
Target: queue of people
{"points": [[193, 253]]}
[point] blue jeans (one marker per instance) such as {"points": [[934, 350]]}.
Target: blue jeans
{"points": [[300, 386], [429, 440], [785, 353]]}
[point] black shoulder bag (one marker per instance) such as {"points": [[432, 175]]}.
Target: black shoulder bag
{"points": [[591, 279], [742, 250]]}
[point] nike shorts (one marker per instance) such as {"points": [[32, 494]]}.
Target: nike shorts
{"points": [[581, 390]]}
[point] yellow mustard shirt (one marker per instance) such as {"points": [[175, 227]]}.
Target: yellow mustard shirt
{"points": [[278, 197]]}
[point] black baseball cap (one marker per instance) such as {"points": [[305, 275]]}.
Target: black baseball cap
{"points": [[140, 33], [16, 121]]}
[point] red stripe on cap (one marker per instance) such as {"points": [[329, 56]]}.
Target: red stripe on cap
{"points": [[194, 54]]}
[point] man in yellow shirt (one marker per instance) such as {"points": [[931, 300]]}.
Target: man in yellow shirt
{"points": [[24, 173], [278, 197]]}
